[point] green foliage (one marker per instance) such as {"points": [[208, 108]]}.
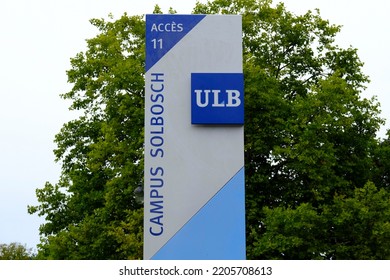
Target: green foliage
{"points": [[356, 227], [317, 178], [91, 211], [381, 156], [309, 135], [360, 225], [15, 251]]}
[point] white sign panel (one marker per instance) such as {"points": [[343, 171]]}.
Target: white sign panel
{"points": [[194, 142]]}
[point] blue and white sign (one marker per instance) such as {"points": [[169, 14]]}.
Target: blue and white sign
{"points": [[217, 98], [165, 31], [194, 142]]}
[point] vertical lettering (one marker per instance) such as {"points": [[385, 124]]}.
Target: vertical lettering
{"points": [[157, 77]]}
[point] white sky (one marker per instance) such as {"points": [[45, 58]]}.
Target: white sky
{"points": [[37, 39]]}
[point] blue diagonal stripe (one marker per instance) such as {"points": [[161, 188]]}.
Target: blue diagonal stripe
{"points": [[217, 231]]}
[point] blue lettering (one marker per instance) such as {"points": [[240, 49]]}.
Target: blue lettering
{"points": [[155, 171], [157, 77], [152, 232], [158, 209], [156, 220], [157, 183], [157, 152], [156, 141]]}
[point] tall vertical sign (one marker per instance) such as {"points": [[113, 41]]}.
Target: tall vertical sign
{"points": [[194, 143]]}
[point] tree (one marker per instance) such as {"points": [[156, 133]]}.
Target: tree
{"points": [[381, 157], [355, 227], [309, 136], [15, 251], [91, 212], [311, 149]]}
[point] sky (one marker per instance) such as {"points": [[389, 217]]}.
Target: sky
{"points": [[37, 40]]}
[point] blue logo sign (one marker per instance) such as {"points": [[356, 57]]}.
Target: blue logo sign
{"points": [[217, 98]]}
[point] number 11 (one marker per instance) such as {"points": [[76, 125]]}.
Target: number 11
{"points": [[157, 43]]}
